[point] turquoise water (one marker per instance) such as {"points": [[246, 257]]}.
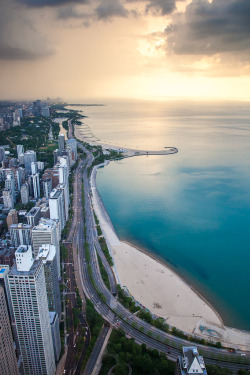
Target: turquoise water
{"points": [[192, 209]]}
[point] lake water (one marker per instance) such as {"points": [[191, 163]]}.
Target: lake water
{"points": [[192, 209]]}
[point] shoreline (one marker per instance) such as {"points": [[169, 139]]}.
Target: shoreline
{"points": [[206, 324], [182, 306], [164, 263]]}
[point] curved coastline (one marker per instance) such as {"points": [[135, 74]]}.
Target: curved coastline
{"points": [[127, 258], [143, 275]]}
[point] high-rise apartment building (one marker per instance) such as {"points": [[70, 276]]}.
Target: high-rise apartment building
{"points": [[12, 218], [29, 301], [33, 216], [36, 185], [10, 184], [20, 150], [72, 144], [2, 154], [54, 325], [29, 157], [47, 187], [190, 362], [8, 199], [34, 168], [8, 360], [47, 253], [46, 232], [20, 234], [4, 271], [61, 143], [25, 193], [57, 207]]}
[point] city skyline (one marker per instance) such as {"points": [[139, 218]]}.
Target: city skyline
{"points": [[125, 48]]}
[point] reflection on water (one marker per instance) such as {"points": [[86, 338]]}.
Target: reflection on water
{"points": [[193, 207]]}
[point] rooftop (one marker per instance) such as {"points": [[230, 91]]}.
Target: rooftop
{"points": [[31, 272], [33, 211]]}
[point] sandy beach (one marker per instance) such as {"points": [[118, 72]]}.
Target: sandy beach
{"points": [[159, 289]]}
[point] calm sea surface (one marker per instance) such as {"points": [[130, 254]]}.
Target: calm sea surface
{"points": [[192, 209]]}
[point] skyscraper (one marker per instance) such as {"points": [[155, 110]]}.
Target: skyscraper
{"points": [[29, 301], [54, 325], [34, 168], [20, 150], [8, 199], [46, 232], [25, 193], [2, 154], [47, 253], [29, 157], [61, 143], [57, 207], [47, 187], [36, 185], [20, 234], [8, 361], [12, 218], [72, 144], [10, 184], [33, 216]]}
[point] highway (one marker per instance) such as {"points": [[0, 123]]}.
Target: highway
{"points": [[106, 303]]}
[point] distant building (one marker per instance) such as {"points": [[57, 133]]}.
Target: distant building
{"points": [[7, 255], [20, 234], [57, 207], [29, 300], [40, 166], [2, 154], [8, 199], [10, 184], [55, 155], [46, 112], [12, 218], [72, 144], [21, 159], [33, 216], [190, 363], [47, 187], [29, 157], [25, 193], [52, 173], [8, 360], [20, 150], [61, 143], [54, 324], [36, 185], [34, 167]]}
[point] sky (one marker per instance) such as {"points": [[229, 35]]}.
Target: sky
{"points": [[80, 49]]}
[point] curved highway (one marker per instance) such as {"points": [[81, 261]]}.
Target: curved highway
{"points": [[112, 310]]}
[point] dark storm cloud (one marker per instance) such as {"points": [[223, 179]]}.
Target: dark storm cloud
{"points": [[19, 38], [210, 28], [52, 3], [162, 7], [71, 12], [111, 8]]}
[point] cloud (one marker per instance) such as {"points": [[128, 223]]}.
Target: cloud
{"points": [[208, 28], [19, 38], [110, 8], [161, 7], [71, 12], [51, 3]]}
